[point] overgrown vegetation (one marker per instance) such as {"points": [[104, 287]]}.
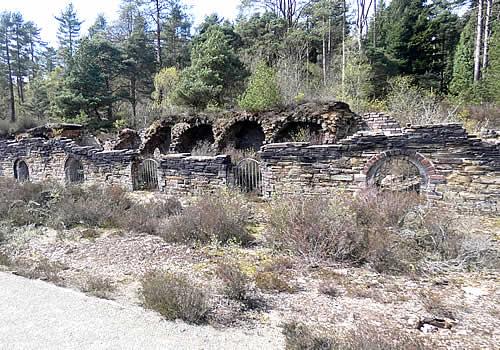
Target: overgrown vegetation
{"points": [[98, 286], [299, 336], [392, 232], [222, 217], [175, 297]]}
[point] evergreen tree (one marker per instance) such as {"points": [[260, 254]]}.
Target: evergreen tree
{"points": [[463, 63], [215, 72], [6, 50], [491, 81], [68, 33], [176, 34], [262, 91], [139, 67]]}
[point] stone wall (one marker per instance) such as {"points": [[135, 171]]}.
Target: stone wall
{"points": [[177, 174], [454, 166]]}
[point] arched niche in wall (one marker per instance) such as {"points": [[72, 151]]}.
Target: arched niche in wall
{"points": [[73, 171], [161, 139], [196, 137], [21, 171], [398, 170], [145, 175], [244, 134], [300, 132]]}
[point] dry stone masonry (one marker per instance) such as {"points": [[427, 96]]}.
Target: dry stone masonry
{"points": [[347, 153]]}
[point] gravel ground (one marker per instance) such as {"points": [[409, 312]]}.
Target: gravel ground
{"points": [[38, 315]]}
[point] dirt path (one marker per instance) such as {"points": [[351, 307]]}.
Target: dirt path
{"points": [[38, 315]]}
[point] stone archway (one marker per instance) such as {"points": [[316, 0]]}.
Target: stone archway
{"points": [[161, 138], [243, 134], [400, 170], [73, 171], [21, 171], [298, 131], [193, 137]]}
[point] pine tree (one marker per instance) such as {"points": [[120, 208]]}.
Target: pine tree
{"points": [[5, 46], [68, 33], [214, 74], [262, 91], [463, 63]]}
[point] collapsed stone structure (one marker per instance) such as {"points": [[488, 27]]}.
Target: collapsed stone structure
{"points": [[347, 152]]}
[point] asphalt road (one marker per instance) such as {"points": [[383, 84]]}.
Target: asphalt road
{"points": [[38, 315]]}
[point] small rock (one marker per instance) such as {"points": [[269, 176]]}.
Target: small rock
{"points": [[474, 291], [427, 328]]}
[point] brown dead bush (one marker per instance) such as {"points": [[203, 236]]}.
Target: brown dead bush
{"points": [[273, 282], [223, 217], [175, 296], [99, 287], [299, 336], [236, 283]]}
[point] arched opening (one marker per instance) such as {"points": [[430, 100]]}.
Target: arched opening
{"points": [[73, 170], [300, 132], [247, 176], [21, 171], [161, 139], [245, 134], [399, 173], [145, 175], [196, 137]]}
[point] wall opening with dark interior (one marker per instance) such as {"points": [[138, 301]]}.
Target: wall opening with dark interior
{"points": [[161, 140], [300, 132], [197, 136], [247, 135], [21, 171], [398, 173], [145, 175], [73, 170]]}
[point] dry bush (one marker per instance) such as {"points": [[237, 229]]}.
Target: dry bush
{"points": [[223, 217], [313, 228], [150, 218], [5, 259], [435, 304], [278, 264], [175, 297], [301, 337], [99, 287], [43, 269], [272, 282], [94, 206], [203, 148], [236, 283], [330, 288]]}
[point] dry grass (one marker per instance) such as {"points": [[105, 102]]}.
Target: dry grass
{"points": [[436, 305], [273, 282], [175, 297], [236, 283], [43, 269], [99, 287], [222, 217], [301, 337]]}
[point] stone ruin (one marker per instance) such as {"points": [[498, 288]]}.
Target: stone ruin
{"points": [[313, 148]]}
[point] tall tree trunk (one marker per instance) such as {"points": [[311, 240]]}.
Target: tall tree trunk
{"points": [[343, 46], [19, 75], [12, 102], [324, 54], [133, 99], [158, 36], [374, 23], [477, 49], [486, 33]]}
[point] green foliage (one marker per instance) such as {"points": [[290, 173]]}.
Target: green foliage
{"points": [[462, 81], [165, 83], [262, 91], [214, 74], [492, 75]]}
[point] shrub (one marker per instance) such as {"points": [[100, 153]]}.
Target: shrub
{"points": [[98, 286], [272, 282], [95, 206], [301, 337], [43, 269], [5, 259], [236, 283], [329, 288], [175, 297], [313, 228], [150, 218], [223, 217]]}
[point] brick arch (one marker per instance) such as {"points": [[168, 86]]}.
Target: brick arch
{"points": [[424, 165]]}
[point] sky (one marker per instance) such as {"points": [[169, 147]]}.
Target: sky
{"points": [[42, 12]]}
